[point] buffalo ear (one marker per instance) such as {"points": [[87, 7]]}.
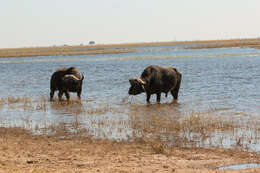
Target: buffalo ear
{"points": [[131, 81]]}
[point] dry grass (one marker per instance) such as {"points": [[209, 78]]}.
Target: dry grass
{"points": [[158, 137], [252, 43], [12, 99], [158, 125], [60, 51], [2, 102], [193, 129], [236, 42], [122, 48]]}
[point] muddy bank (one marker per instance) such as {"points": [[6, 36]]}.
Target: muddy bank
{"points": [[22, 152]]}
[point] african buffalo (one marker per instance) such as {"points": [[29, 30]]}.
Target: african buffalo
{"points": [[71, 83], [60, 82], [155, 80]]}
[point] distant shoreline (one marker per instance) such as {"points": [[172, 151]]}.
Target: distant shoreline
{"points": [[122, 48]]}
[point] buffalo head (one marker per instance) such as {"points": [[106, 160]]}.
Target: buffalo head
{"points": [[137, 86], [72, 83]]}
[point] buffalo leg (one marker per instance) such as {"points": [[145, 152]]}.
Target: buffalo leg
{"points": [[79, 93], [52, 94], [148, 97], [175, 92], [67, 95], [60, 95], [158, 97]]}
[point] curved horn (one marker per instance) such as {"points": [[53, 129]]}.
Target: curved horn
{"points": [[140, 80], [70, 76]]}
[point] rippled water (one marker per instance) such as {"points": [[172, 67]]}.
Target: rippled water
{"points": [[226, 80], [241, 166], [219, 78]]}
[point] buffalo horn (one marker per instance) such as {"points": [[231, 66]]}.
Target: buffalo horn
{"points": [[74, 77], [82, 76], [140, 81]]}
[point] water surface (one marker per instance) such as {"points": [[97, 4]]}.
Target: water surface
{"points": [[225, 80]]}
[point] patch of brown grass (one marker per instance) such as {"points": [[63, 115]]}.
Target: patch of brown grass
{"points": [[14, 131], [2, 102], [158, 125], [193, 129], [122, 48], [60, 51], [252, 43], [13, 99], [42, 104]]}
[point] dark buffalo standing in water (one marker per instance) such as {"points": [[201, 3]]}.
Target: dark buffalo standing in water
{"points": [[66, 80], [155, 80]]}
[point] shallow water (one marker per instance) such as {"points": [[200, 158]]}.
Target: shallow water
{"points": [[220, 78], [241, 166], [225, 80]]}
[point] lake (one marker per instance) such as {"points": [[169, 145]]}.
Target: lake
{"points": [[225, 81]]}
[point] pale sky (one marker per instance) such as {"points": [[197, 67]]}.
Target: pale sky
{"points": [[26, 23]]}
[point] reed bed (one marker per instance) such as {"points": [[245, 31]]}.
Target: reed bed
{"points": [[250, 43], [122, 48], [2, 102], [158, 125], [60, 51]]}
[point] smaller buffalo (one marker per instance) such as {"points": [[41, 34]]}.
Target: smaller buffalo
{"points": [[156, 80], [66, 80]]}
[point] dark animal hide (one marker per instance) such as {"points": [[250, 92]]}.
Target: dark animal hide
{"points": [[156, 80], [57, 82]]}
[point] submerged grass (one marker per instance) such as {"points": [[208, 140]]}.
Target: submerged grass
{"points": [[12, 99], [158, 125], [2, 102]]}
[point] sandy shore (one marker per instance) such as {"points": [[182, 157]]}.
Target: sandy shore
{"points": [[23, 152]]}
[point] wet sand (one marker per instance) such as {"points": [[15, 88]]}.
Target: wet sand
{"points": [[22, 152]]}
